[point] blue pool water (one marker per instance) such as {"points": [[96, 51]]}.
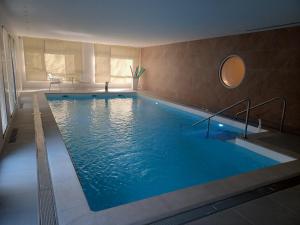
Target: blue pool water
{"points": [[126, 149]]}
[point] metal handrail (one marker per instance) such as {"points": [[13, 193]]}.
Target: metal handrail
{"points": [[284, 103], [227, 108]]}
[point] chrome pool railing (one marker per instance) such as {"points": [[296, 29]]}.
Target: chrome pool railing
{"points": [[247, 110], [284, 103]]}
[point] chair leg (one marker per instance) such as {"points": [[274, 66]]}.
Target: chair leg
{"points": [[49, 86]]}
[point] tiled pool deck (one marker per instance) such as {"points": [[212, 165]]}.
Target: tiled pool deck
{"points": [[281, 208], [18, 172], [71, 204]]}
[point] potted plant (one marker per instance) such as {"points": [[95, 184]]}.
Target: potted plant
{"points": [[136, 75]]}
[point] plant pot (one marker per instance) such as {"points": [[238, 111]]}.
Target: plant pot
{"points": [[135, 83]]}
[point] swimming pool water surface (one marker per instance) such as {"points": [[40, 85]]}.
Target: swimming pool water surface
{"points": [[130, 148]]}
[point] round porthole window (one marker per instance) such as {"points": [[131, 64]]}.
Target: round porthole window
{"points": [[232, 71]]}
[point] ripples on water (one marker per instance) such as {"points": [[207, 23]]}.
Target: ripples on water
{"points": [[128, 149]]}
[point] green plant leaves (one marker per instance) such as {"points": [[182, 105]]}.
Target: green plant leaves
{"points": [[139, 70]]}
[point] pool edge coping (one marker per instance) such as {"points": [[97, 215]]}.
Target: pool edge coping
{"points": [[157, 207]]}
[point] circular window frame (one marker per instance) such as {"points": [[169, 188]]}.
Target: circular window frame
{"points": [[220, 71]]}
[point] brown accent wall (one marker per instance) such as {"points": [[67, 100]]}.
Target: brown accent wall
{"points": [[188, 73]]}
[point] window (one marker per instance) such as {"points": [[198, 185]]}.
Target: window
{"points": [[64, 59], [9, 71], [34, 66], [3, 88], [102, 63], [232, 71], [55, 64], [121, 67], [121, 60], [60, 58], [120, 70], [112, 63], [34, 60], [34, 50]]}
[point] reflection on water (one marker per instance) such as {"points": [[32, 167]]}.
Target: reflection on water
{"points": [[126, 149]]}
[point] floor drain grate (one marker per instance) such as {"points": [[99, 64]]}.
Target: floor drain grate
{"points": [[46, 200], [13, 135], [209, 209]]}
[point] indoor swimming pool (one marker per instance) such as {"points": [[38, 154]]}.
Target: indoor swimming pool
{"points": [[129, 147]]}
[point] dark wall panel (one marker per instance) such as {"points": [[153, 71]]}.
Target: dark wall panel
{"points": [[188, 72]]}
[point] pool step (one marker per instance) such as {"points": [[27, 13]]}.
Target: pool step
{"points": [[272, 151]]}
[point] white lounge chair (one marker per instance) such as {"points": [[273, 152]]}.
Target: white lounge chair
{"points": [[53, 80]]}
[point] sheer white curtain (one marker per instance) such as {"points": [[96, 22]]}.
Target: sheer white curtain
{"points": [[122, 58], [20, 67], [9, 70], [4, 118], [112, 63], [65, 59], [102, 63], [34, 50], [61, 58]]}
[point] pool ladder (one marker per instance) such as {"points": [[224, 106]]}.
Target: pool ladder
{"points": [[284, 103], [247, 111]]}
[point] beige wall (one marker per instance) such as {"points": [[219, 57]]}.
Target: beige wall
{"points": [[188, 72]]}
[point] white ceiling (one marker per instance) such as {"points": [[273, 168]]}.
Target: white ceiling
{"points": [[146, 22]]}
